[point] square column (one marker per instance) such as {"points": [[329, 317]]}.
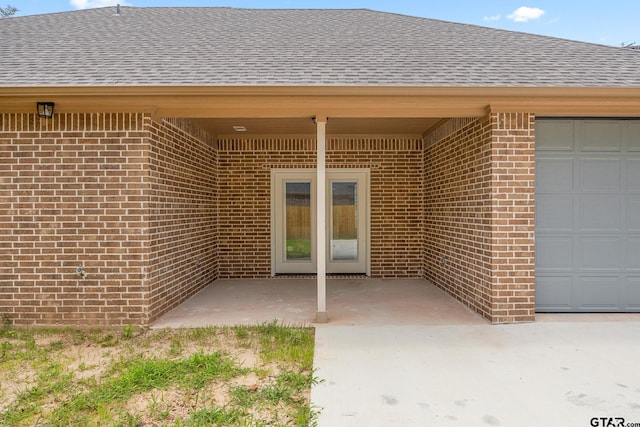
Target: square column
{"points": [[321, 218]]}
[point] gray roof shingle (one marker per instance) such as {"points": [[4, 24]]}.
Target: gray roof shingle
{"points": [[213, 46]]}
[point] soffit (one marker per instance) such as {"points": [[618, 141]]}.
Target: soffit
{"points": [[224, 127]]}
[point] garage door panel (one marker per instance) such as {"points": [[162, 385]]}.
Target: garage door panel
{"points": [[632, 293], [634, 136], [633, 214], [598, 175], [598, 293], [633, 253], [599, 253], [633, 175], [555, 135], [554, 175], [554, 213], [599, 214], [601, 135], [554, 293], [554, 253]]}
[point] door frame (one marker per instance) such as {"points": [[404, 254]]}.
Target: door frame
{"points": [[304, 173]]}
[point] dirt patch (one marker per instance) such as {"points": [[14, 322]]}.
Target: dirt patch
{"points": [[65, 364]]}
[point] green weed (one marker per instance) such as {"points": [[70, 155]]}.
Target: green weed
{"points": [[287, 344], [215, 417], [175, 349], [128, 331]]}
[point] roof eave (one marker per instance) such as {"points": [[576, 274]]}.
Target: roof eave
{"points": [[344, 101]]}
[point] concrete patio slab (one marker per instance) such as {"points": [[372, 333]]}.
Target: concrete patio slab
{"points": [[293, 301], [560, 373]]}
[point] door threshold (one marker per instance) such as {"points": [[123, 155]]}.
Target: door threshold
{"points": [[329, 276]]}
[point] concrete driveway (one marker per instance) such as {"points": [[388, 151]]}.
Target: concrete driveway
{"points": [[563, 370]]}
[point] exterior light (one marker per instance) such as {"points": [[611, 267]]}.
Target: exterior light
{"points": [[45, 109]]}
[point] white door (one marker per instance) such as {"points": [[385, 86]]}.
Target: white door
{"points": [[294, 221]]}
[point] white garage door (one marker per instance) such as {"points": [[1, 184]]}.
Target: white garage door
{"points": [[587, 215]]}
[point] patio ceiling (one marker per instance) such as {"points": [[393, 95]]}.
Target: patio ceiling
{"points": [[226, 127]]}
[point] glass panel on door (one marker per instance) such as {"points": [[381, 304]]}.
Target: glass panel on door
{"points": [[294, 222], [298, 221], [344, 221]]}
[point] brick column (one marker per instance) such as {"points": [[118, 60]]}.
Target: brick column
{"points": [[512, 217]]}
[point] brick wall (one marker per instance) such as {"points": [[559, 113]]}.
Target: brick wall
{"points": [[73, 195], [457, 243], [245, 198], [479, 214], [130, 201], [183, 246]]}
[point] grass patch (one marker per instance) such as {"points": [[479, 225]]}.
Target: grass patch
{"points": [[229, 376], [215, 417]]}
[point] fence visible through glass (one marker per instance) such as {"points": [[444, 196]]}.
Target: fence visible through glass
{"points": [[298, 220], [344, 221]]}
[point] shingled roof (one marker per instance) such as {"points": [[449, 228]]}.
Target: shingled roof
{"points": [[212, 46]]}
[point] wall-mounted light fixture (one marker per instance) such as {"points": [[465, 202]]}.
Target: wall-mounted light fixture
{"points": [[45, 109]]}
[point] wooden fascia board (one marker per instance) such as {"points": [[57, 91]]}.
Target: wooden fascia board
{"points": [[278, 102]]}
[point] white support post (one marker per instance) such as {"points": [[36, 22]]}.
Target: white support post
{"points": [[321, 218]]}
